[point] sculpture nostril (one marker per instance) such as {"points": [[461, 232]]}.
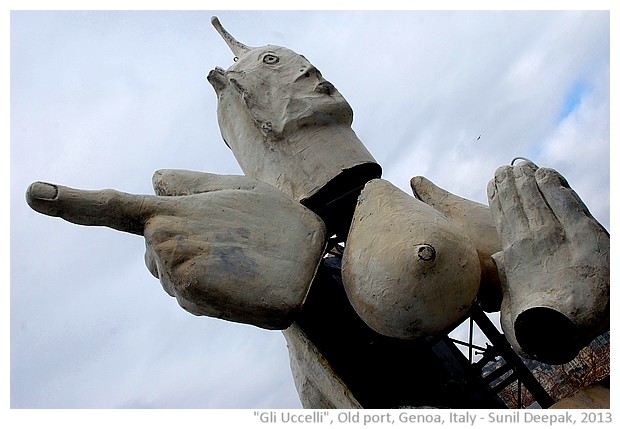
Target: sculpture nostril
{"points": [[307, 74], [325, 87]]}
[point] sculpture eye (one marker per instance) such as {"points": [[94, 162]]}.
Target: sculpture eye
{"points": [[270, 59]]}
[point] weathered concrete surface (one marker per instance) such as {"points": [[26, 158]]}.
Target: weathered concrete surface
{"points": [[590, 397], [505, 318], [556, 262], [225, 246], [317, 384], [476, 221], [407, 269], [285, 124]]}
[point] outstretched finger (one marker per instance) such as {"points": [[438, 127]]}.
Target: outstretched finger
{"points": [[506, 206], [473, 217], [427, 191], [114, 209], [169, 182], [566, 204], [540, 220]]}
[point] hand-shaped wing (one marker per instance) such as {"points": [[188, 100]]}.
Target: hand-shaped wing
{"points": [[556, 258], [239, 249]]}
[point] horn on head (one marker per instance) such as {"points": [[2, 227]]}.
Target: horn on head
{"points": [[235, 46]]}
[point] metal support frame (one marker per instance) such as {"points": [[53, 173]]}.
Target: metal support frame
{"points": [[513, 366]]}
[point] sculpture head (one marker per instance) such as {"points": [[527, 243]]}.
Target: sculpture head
{"points": [[280, 89], [286, 124]]}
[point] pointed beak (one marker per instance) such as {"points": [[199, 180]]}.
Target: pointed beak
{"points": [[235, 46]]}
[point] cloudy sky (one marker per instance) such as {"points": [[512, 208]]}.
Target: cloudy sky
{"points": [[103, 99]]}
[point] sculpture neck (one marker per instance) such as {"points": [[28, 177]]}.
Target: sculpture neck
{"points": [[326, 169], [311, 157]]}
